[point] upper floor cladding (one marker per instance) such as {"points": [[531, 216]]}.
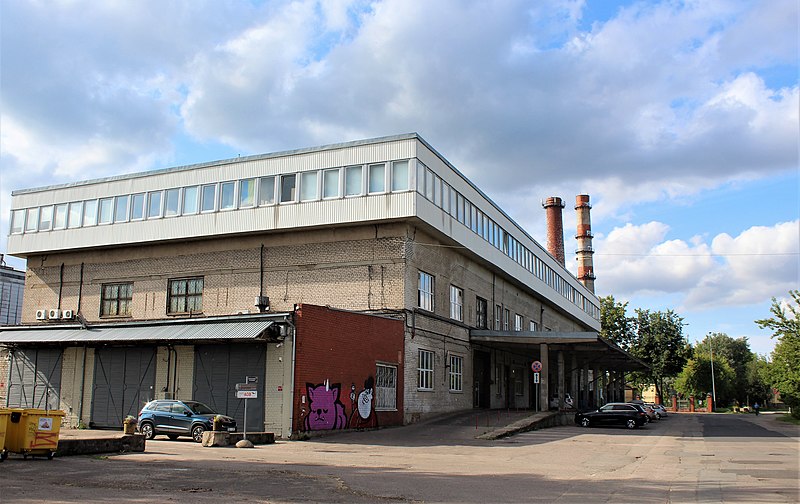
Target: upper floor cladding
{"points": [[384, 179]]}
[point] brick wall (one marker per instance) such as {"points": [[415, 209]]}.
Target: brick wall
{"points": [[343, 349], [5, 365]]}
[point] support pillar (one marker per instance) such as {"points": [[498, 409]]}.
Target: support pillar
{"points": [[544, 378], [573, 382], [561, 385], [585, 386]]}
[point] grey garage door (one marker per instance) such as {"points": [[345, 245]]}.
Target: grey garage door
{"points": [[35, 378], [217, 370], [124, 380]]}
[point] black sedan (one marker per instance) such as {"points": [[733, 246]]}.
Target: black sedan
{"points": [[629, 415]]}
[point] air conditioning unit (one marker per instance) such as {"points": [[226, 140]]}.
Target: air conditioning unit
{"points": [[68, 314], [41, 314], [53, 314]]}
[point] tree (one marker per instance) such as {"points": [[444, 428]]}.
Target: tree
{"points": [[615, 324], [695, 378], [737, 355], [784, 371], [660, 343]]}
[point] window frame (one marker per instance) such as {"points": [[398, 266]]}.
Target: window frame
{"points": [[118, 300], [426, 296], [455, 364], [186, 295], [425, 369], [382, 391], [456, 303], [481, 315]]}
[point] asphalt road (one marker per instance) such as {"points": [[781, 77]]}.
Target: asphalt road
{"points": [[684, 458]]}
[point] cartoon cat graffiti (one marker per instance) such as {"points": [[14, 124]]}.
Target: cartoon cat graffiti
{"points": [[326, 411]]}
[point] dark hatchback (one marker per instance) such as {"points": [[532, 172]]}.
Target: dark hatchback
{"points": [[180, 418], [629, 415]]}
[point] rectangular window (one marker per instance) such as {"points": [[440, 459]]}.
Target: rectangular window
{"points": [[308, 186], [121, 209], [437, 192], [288, 186], [208, 198], [60, 220], [506, 319], [481, 312], [400, 176], [330, 183], [425, 370], [106, 210], [456, 373], [266, 191], [456, 303], [190, 197], [385, 388], [137, 206], [247, 193], [421, 169], [352, 181], [517, 322], [171, 202], [45, 218], [498, 317], [533, 326], [31, 221], [377, 178], [460, 208], [445, 197], [185, 295], [430, 177], [226, 195], [425, 291], [90, 212], [115, 300], [154, 205], [453, 202], [75, 214], [18, 221]]}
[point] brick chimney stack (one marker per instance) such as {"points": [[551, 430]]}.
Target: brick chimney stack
{"points": [[555, 227], [584, 237]]}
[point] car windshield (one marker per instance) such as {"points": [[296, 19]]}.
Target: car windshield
{"points": [[199, 408]]}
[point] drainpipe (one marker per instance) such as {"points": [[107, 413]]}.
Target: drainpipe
{"points": [[83, 385], [60, 285], [80, 290]]}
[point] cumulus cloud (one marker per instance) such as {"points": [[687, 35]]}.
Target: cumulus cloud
{"points": [[759, 263]]}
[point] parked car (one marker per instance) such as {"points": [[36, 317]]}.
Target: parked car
{"points": [[180, 418], [651, 413], [659, 410], [629, 415]]}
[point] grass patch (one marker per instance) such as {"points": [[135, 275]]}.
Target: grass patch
{"points": [[789, 419]]}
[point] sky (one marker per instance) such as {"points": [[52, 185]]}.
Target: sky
{"points": [[679, 118]]}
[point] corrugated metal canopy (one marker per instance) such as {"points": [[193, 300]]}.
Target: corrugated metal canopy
{"points": [[239, 330]]}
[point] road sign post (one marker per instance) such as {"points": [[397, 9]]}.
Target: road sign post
{"points": [[247, 391], [536, 367]]}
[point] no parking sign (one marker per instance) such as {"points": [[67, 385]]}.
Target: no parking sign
{"points": [[536, 366]]}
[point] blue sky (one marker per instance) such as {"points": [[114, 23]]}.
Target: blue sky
{"points": [[679, 118]]}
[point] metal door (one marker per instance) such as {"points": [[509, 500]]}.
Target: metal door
{"points": [[217, 370], [124, 381], [35, 378]]}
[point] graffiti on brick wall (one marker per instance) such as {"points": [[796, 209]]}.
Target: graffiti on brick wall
{"points": [[362, 415], [326, 410]]}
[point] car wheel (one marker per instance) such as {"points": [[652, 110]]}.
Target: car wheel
{"points": [[146, 428], [658, 416], [585, 422], [631, 423], [197, 433], [172, 437]]}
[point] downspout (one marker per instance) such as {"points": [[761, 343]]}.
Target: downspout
{"points": [[169, 367], [175, 375], [80, 290], [83, 385], [261, 272], [60, 285]]}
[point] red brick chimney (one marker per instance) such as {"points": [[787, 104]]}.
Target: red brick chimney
{"points": [[555, 227], [584, 237]]}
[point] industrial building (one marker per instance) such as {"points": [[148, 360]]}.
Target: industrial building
{"points": [[360, 285]]}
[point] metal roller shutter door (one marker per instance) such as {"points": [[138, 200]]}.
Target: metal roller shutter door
{"points": [[218, 368], [124, 381], [35, 378]]}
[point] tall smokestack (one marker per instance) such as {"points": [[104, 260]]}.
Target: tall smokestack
{"points": [[555, 227], [584, 237]]}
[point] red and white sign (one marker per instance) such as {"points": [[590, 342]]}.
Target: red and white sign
{"points": [[246, 394], [536, 366]]}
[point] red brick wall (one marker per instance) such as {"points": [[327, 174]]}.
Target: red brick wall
{"points": [[342, 349]]}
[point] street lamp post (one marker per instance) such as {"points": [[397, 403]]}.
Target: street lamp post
{"points": [[713, 386]]}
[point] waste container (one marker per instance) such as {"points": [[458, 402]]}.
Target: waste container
{"points": [[33, 431], [4, 414]]}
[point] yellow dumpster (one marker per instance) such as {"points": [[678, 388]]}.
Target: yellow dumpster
{"points": [[4, 414], [33, 431]]}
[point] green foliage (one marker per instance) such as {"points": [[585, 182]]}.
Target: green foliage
{"points": [[656, 338], [695, 378], [784, 371]]}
